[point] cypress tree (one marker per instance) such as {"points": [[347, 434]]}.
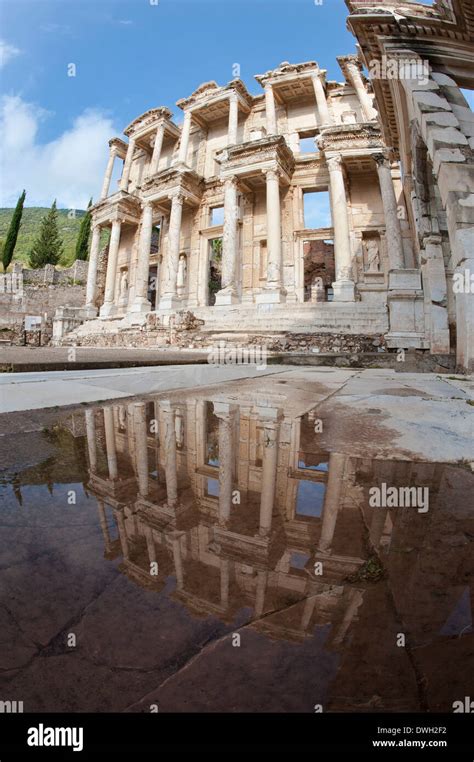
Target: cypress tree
{"points": [[82, 243], [12, 235], [48, 247]]}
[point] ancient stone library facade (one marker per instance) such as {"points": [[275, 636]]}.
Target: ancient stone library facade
{"points": [[223, 216]]}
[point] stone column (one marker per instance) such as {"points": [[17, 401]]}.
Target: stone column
{"points": [[233, 119], [122, 532], [127, 165], [92, 271], [344, 285], [108, 173], [365, 100], [141, 447], [270, 110], [104, 526], [150, 544], [108, 306], [225, 582], [110, 442], [169, 300], [393, 230], [171, 473], [140, 301], [91, 440], [269, 468], [184, 142], [155, 159], [226, 415], [321, 101], [273, 291], [178, 559], [228, 292], [332, 501]]}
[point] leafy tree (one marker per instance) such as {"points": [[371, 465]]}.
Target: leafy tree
{"points": [[82, 243], [12, 235], [48, 247]]}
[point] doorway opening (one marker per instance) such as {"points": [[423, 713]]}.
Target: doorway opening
{"points": [[215, 269]]}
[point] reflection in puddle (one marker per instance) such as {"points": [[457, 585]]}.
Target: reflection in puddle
{"points": [[219, 517]]}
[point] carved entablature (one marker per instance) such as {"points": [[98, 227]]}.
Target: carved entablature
{"points": [[119, 146], [147, 120], [257, 156], [202, 93], [121, 206], [285, 69], [351, 137], [171, 181]]}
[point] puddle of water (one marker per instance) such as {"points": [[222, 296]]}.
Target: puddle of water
{"points": [[208, 555]]}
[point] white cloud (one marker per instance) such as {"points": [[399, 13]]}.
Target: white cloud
{"points": [[7, 52], [69, 168]]}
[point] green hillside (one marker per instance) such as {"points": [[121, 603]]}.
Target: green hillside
{"points": [[30, 222]]}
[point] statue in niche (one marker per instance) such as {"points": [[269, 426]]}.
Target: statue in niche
{"points": [[124, 285], [373, 256], [182, 272]]}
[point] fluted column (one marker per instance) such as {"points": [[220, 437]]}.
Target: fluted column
{"points": [[273, 291], [141, 447], [169, 299], [228, 292], [233, 119], [321, 102], [127, 165], [108, 173], [184, 142], [171, 473], [269, 470], [270, 110], [393, 230], [140, 301], [344, 285], [108, 306], [91, 287], [365, 100], [155, 159], [110, 447], [226, 415]]}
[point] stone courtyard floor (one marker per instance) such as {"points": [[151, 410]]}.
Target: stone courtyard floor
{"points": [[73, 569]]}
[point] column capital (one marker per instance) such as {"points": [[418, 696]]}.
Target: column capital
{"points": [[381, 159], [233, 96], [273, 174], [147, 205], [177, 198], [335, 163], [231, 181]]}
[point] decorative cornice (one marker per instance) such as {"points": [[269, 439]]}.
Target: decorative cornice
{"points": [[347, 136], [148, 118]]}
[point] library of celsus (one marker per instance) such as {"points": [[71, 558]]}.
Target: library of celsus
{"points": [[314, 207]]}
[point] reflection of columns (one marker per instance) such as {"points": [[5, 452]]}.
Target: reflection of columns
{"points": [[225, 579], [184, 142], [91, 440], [171, 473], [92, 270], [321, 102], [141, 448], [260, 592], [140, 302], [308, 609], [344, 285], [270, 110], [269, 471], [178, 560], [122, 532], [103, 525], [392, 223], [226, 415], [227, 294], [355, 600], [377, 525], [107, 308], [169, 299], [108, 173], [233, 119], [273, 291], [365, 100], [150, 544], [155, 159], [110, 442], [332, 501], [127, 165]]}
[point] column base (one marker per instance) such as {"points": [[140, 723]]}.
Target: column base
{"points": [[140, 305], [226, 296], [90, 311], [107, 310], [271, 296], [169, 302], [344, 291]]}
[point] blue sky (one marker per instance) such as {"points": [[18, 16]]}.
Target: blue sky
{"points": [[131, 56]]}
